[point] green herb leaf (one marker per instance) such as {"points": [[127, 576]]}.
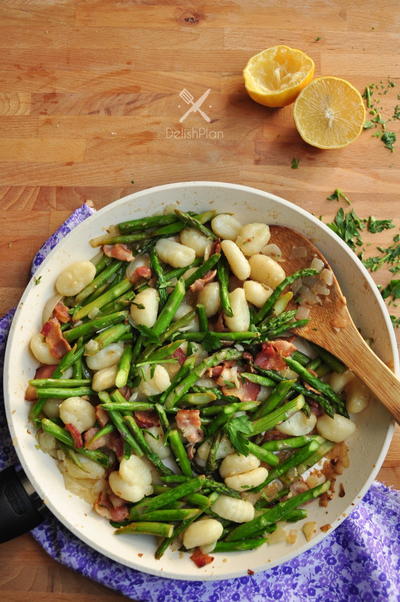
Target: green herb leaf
{"points": [[37, 280], [388, 139], [378, 225], [395, 321], [349, 227], [235, 429], [396, 112], [368, 125], [337, 195], [295, 163], [317, 39], [391, 290]]}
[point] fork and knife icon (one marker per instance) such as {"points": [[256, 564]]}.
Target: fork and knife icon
{"points": [[188, 98]]}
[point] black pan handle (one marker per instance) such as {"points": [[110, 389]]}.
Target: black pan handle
{"points": [[21, 509]]}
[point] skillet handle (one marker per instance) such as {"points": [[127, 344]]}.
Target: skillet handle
{"points": [[21, 509]]}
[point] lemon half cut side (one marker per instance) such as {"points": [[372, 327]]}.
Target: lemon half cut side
{"points": [[329, 113], [275, 76]]}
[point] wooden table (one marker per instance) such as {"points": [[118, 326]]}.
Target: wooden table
{"points": [[90, 109]]}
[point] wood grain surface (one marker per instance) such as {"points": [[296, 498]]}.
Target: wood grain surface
{"points": [[90, 109]]}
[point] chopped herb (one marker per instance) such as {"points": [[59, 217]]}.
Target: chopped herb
{"points": [[295, 163], [388, 139], [396, 112], [389, 255], [229, 384], [368, 125], [337, 195], [378, 225], [138, 305], [391, 290], [37, 280], [235, 429], [367, 95], [348, 226], [317, 39], [395, 321]]}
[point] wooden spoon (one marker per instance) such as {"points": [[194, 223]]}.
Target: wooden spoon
{"points": [[332, 327]]}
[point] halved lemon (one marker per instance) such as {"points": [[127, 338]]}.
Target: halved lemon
{"points": [[275, 76], [329, 113]]}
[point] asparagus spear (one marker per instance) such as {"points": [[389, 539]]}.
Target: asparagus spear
{"points": [[193, 222], [330, 360], [118, 421], [209, 362], [88, 328], [177, 514], [223, 279], [63, 393], [102, 278], [203, 269], [124, 367], [202, 317], [144, 223], [139, 437], [64, 437], [169, 310], [113, 293], [150, 528], [294, 460], [107, 336], [270, 302], [280, 392], [159, 272], [275, 514], [291, 443], [59, 382], [279, 415], [231, 546], [164, 499], [179, 452]]}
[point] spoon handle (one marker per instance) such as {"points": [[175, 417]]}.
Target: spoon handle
{"points": [[349, 346]]}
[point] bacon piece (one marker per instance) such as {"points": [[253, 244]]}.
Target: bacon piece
{"points": [[200, 559], [215, 247], [61, 313], [298, 487], [111, 506], [75, 434], [100, 442], [200, 283], [101, 416], [41, 372], [315, 408], [116, 444], [273, 435], [54, 338], [147, 418], [216, 371], [246, 392], [143, 271], [180, 355], [118, 251], [272, 354], [311, 388], [189, 423], [219, 325], [125, 392]]}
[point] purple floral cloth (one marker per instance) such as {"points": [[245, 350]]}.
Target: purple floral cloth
{"points": [[358, 562]]}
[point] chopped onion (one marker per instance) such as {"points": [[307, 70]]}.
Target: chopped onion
{"points": [[298, 252], [326, 276], [273, 251], [320, 289], [307, 297], [317, 264], [296, 286], [50, 305], [303, 313]]}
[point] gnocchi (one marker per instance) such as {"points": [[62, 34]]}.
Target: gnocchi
{"points": [[174, 253], [201, 533], [235, 464], [225, 226], [357, 396], [155, 438], [209, 297], [266, 270], [133, 481], [335, 429], [240, 321], [238, 511], [256, 293], [75, 277], [41, 351], [298, 424], [109, 356], [79, 412], [144, 307], [195, 240], [104, 379], [237, 261], [154, 382], [247, 480], [252, 238]]}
